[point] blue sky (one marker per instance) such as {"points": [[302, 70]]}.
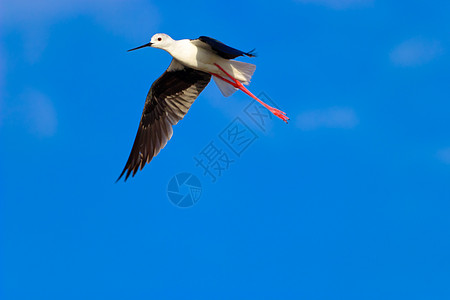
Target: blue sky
{"points": [[348, 201]]}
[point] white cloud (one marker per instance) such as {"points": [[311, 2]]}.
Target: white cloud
{"points": [[334, 117], [340, 4], [444, 155], [39, 114], [415, 52], [131, 19], [25, 12]]}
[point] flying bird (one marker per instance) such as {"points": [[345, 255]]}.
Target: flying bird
{"points": [[172, 94]]}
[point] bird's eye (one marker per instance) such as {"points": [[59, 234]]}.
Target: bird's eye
{"points": [[159, 39]]}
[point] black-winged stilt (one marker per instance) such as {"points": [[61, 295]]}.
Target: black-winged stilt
{"points": [[172, 94]]}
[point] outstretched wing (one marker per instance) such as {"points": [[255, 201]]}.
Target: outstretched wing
{"points": [[168, 100], [220, 48]]}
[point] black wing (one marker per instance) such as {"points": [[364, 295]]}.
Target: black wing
{"points": [[168, 100], [221, 49]]}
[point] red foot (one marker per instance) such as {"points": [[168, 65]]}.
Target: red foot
{"points": [[280, 114], [237, 84]]}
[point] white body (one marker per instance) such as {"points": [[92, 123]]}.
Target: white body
{"points": [[199, 58], [197, 55]]}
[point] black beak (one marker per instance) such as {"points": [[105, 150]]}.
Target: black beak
{"points": [[146, 45]]}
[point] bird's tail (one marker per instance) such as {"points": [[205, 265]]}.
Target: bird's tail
{"points": [[240, 70], [226, 88]]}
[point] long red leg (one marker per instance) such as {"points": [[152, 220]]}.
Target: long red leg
{"points": [[226, 80], [237, 84]]}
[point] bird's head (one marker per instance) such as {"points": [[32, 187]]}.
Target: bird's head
{"points": [[159, 40]]}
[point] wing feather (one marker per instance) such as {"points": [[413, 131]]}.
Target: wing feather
{"points": [[220, 48], [167, 102]]}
